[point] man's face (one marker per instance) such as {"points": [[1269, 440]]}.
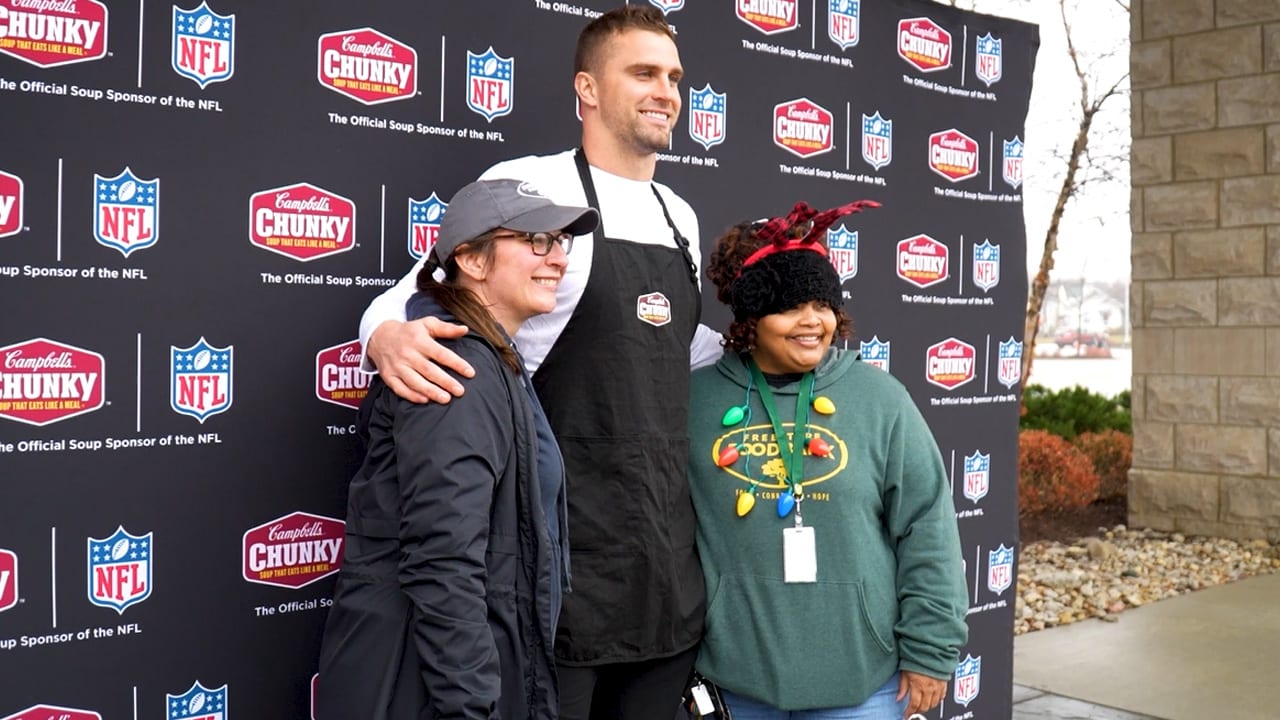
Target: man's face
{"points": [[638, 89]]}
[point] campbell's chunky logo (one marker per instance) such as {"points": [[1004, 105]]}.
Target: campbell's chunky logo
{"points": [[43, 381], [953, 155], [302, 221], [120, 569], [294, 550], [198, 703], [654, 309], [48, 33], [367, 66], [924, 44], [339, 379], [922, 261], [768, 16], [802, 127], [11, 198], [53, 712], [204, 47], [950, 363], [8, 579]]}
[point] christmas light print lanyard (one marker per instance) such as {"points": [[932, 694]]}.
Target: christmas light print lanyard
{"points": [[799, 549]]}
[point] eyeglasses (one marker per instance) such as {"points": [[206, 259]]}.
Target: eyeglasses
{"points": [[541, 242]]}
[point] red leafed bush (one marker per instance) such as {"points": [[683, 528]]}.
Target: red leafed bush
{"points": [[1111, 453], [1053, 475]]}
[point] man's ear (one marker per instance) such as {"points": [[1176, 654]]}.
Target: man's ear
{"points": [[585, 86]]}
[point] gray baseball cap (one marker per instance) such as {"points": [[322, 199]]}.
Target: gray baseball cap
{"points": [[487, 205]]}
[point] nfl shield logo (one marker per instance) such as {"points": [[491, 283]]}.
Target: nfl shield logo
{"points": [[119, 570], [490, 83], [986, 265], [667, 6], [988, 63], [977, 475], [424, 224], [706, 116], [875, 353], [842, 22], [877, 140], [968, 677], [126, 211], [1013, 162], [204, 44], [200, 380], [198, 703], [1009, 371], [842, 249], [999, 569]]}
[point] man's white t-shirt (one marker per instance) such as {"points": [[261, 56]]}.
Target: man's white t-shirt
{"points": [[628, 211]]}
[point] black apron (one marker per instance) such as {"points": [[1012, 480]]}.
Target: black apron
{"points": [[615, 387]]}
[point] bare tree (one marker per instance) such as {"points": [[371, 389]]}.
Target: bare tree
{"points": [[1081, 167]]}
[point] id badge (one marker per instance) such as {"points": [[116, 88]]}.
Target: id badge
{"points": [[799, 555]]}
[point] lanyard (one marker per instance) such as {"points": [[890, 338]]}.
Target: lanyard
{"points": [[792, 451]]}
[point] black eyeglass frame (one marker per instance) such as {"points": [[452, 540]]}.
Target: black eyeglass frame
{"points": [[540, 242]]}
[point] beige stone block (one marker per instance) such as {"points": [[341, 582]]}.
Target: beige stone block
{"points": [[1137, 220], [1250, 401], [1135, 21], [1219, 153], [1251, 201], [1137, 519], [1273, 452], [1273, 352], [1152, 350], [1271, 47], [1138, 397], [1179, 109], [1180, 303], [1220, 449], [1196, 526], [1273, 145], [1273, 250], [1136, 293], [1135, 114], [1181, 206], [1218, 253], [1218, 54], [1249, 301], [1239, 12], [1175, 17], [1149, 64], [1151, 256], [1248, 100], [1182, 399], [1174, 494], [1251, 501], [1219, 351], [1152, 160], [1152, 444]]}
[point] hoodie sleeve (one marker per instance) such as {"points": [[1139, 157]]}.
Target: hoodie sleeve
{"points": [[920, 514], [449, 460]]}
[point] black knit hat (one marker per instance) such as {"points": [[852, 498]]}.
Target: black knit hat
{"points": [[784, 280]]}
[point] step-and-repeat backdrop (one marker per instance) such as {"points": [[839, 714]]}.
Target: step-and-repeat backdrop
{"points": [[197, 200]]}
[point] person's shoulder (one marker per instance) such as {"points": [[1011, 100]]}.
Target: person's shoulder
{"points": [[673, 199], [521, 168]]}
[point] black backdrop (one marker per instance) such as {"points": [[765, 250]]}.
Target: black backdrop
{"points": [[176, 372]]}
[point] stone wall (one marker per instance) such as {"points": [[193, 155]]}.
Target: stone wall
{"points": [[1206, 266]]}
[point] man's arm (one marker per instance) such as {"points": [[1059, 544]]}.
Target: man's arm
{"points": [[406, 354], [706, 348]]}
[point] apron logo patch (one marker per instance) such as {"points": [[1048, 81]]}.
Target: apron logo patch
{"points": [[654, 309]]}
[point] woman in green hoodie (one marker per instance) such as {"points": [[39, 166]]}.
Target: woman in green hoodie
{"points": [[825, 521]]}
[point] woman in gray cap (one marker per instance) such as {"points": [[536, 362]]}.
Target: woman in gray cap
{"points": [[456, 549]]}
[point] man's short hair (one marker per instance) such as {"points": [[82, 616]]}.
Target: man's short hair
{"points": [[618, 20]]}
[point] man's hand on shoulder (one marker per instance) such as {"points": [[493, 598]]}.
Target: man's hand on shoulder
{"points": [[409, 359]]}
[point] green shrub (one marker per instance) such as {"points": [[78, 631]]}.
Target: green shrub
{"points": [[1052, 474], [1074, 410], [1111, 453]]}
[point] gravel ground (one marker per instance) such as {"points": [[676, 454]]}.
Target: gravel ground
{"points": [[1101, 577]]}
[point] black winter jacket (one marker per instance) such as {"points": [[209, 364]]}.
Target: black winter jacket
{"points": [[442, 605]]}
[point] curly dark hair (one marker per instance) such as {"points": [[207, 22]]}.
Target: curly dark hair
{"points": [[731, 249]]}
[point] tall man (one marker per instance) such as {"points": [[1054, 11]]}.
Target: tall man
{"points": [[611, 368]]}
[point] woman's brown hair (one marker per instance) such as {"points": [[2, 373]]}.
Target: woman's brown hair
{"points": [[462, 303]]}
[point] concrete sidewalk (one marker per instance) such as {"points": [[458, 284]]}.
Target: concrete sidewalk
{"points": [[1209, 654]]}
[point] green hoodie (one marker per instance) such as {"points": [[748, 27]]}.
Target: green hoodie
{"points": [[890, 592]]}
